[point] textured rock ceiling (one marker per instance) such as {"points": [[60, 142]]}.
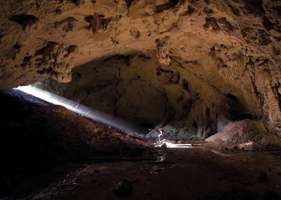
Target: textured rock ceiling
{"points": [[196, 62]]}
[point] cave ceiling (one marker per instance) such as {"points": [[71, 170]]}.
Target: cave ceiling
{"points": [[150, 61]]}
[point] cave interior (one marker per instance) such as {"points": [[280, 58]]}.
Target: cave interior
{"points": [[140, 99]]}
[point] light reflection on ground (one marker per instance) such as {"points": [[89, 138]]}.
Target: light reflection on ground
{"points": [[166, 144]]}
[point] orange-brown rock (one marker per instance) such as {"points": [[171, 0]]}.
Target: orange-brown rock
{"points": [[206, 58]]}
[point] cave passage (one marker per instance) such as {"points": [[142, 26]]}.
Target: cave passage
{"points": [[157, 137]]}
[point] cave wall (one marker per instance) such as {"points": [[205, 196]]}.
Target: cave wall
{"points": [[224, 48]]}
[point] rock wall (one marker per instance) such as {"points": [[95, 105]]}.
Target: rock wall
{"points": [[191, 60]]}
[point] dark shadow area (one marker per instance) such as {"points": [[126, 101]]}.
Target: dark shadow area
{"points": [[37, 137], [237, 111]]}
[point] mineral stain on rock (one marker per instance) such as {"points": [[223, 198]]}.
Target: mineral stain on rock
{"points": [[190, 10], [211, 23], [254, 7], [26, 61], [67, 24], [24, 20], [46, 50], [1, 35], [129, 3], [225, 24], [97, 22], [76, 2], [170, 4]]}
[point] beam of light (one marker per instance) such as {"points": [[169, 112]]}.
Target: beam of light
{"points": [[84, 111]]}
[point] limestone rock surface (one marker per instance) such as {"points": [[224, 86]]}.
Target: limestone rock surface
{"points": [[188, 63]]}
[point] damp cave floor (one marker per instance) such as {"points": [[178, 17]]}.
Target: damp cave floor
{"points": [[170, 174]]}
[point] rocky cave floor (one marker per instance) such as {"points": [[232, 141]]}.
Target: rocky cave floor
{"points": [[184, 174], [48, 152]]}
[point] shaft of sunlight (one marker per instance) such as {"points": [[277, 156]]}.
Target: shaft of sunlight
{"points": [[85, 111]]}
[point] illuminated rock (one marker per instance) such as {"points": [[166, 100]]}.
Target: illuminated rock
{"points": [[181, 63]]}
